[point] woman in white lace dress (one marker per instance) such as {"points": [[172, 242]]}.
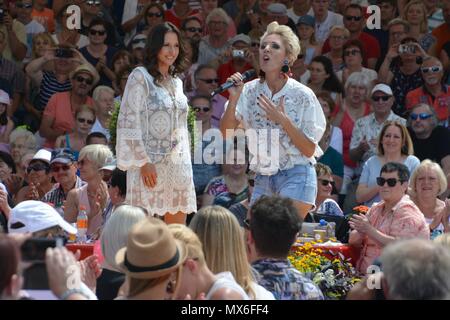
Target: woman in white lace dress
{"points": [[152, 137], [283, 107]]}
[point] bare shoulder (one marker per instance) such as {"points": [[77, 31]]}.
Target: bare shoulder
{"points": [[226, 294]]}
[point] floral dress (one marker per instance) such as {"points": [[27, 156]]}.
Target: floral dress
{"points": [[401, 84], [152, 128]]}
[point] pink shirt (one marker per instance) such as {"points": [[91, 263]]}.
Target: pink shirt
{"points": [[404, 221]]}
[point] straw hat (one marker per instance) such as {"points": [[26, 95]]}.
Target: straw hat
{"points": [[151, 251]]}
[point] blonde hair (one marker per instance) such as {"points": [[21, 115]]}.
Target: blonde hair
{"points": [[424, 23], [223, 244], [85, 107], [99, 90], [97, 153], [427, 164], [290, 40], [190, 240], [41, 36], [340, 28], [443, 239], [115, 232], [137, 286]]}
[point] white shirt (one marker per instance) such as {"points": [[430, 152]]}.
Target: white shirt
{"points": [[295, 17], [323, 28]]}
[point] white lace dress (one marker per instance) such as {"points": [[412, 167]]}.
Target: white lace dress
{"points": [[152, 128]]}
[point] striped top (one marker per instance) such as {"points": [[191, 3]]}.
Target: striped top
{"points": [[50, 86]]}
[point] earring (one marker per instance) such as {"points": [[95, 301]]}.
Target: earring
{"points": [[285, 67]]}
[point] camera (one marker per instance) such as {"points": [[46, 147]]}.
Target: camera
{"points": [[406, 48], [238, 54], [63, 53], [33, 250]]}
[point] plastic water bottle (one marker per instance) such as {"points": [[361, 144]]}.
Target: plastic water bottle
{"points": [[321, 231], [82, 225], [332, 230]]}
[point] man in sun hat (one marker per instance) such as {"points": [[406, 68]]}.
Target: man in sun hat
{"points": [[59, 114], [278, 12]]}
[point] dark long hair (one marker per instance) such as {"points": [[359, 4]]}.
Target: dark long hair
{"points": [[332, 83], [155, 42]]}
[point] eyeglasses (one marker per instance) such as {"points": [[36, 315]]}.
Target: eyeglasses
{"points": [[354, 18], [433, 69], [21, 5], [247, 224], [93, 3], [351, 52], [99, 32], [81, 79], [193, 29], [154, 14], [391, 181], [64, 167], [209, 81], [37, 167], [421, 116], [379, 98], [83, 120], [204, 109], [325, 182]]}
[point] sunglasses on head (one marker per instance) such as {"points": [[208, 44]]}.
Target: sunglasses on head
{"points": [[379, 98], [209, 81], [83, 120], [154, 14], [135, 41], [421, 116], [99, 32], [354, 18], [64, 167], [37, 167], [351, 52], [21, 5], [433, 69], [204, 109], [391, 181], [81, 79], [325, 182], [193, 29]]}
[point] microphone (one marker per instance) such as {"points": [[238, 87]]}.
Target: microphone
{"points": [[225, 86]]}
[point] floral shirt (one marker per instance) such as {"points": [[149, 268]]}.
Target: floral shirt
{"points": [[274, 147], [222, 196], [284, 281]]}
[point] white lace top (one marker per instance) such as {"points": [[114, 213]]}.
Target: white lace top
{"points": [[152, 128], [301, 106]]}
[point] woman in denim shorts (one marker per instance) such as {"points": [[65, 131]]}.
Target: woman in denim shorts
{"points": [[278, 105]]}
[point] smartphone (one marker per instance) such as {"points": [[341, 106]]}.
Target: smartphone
{"points": [[2, 15], [33, 250], [63, 53], [405, 48]]}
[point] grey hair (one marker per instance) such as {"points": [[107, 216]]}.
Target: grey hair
{"points": [[427, 164], [358, 79], [29, 138], [99, 154], [99, 90], [218, 12], [115, 232], [432, 111], [416, 269], [397, 21]]}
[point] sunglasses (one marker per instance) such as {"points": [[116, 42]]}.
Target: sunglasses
{"points": [[379, 98], [99, 32], [193, 29], [351, 52], [391, 181], [59, 168], [37, 167], [154, 14], [247, 224], [325, 182], [83, 120], [23, 5], [204, 109], [433, 69], [209, 81], [93, 3], [421, 116], [81, 79], [354, 18]]}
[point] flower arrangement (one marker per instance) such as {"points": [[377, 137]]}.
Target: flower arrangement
{"points": [[334, 276], [357, 210]]}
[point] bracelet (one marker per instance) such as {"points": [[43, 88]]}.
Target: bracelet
{"points": [[69, 292]]}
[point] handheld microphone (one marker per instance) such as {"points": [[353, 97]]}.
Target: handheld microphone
{"points": [[225, 86]]}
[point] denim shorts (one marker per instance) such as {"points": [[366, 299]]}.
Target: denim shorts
{"points": [[298, 183]]}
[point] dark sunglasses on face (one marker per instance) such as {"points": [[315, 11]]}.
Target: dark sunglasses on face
{"points": [[135, 41], [204, 109], [193, 29], [93, 3], [82, 120], [209, 81], [351, 52], [99, 32], [64, 167], [154, 14], [421, 116], [21, 5], [391, 181], [37, 167], [433, 69], [354, 18], [379, 98], [81, 79], [325, 182]]}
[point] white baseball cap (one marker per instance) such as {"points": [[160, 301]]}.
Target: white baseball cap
{"points": [[383, 88], [43, 155], [4, 97], [34, 216]]}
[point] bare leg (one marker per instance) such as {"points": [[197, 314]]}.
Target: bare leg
{"points": [[302, 208], [179, 217]]}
